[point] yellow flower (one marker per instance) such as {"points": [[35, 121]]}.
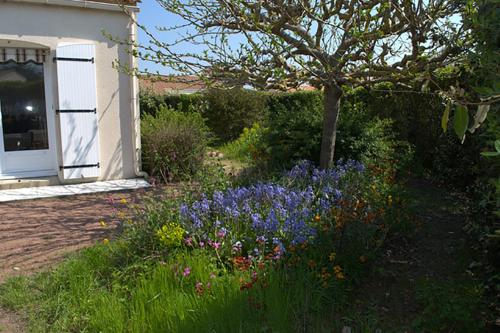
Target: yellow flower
{"points": [[337, 270], [332, 256], [105, 241], [102, 223], [171, 234], [124, 201], [389, 200], [317, 218]]}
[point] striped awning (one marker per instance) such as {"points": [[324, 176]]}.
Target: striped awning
{"points": [[22, 55]]}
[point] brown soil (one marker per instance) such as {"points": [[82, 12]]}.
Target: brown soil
{"points": [[37, 233], [10, 322], [434, 253]]}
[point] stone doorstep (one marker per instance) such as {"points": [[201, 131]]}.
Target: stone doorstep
{"points": [[11, 184], [29, 193]]}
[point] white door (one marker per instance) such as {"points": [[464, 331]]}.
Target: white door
{"points": [[26, 116], [77, 111]]}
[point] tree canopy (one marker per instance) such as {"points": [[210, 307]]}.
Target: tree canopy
{"points": [[282, 44]]}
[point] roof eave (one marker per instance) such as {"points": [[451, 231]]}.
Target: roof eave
{"points": [[81, 4]]}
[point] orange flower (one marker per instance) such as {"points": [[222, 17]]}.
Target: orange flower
{"points": [[317, 218]]}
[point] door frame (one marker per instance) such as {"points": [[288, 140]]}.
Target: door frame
{"points": [[50, 169]]}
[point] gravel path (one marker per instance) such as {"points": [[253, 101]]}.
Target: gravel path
{"points": [[35, 234]]}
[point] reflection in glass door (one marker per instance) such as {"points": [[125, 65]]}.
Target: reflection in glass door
{"points": [[22, 105], [24, 143]]}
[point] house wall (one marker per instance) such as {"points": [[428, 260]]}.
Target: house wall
{"points": [[52, 25]]}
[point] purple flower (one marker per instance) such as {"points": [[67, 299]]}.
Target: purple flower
{"points": [[186, 271], [261, 239], [222, 233]]}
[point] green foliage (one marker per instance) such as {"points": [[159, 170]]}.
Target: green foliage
{"points": [[294, 123], [144, 282], [249, 147], [173, 143], [447, 305], [226, 111], [483, 18], [461, 121], [295, 127], [151, 103], [231, 110]]}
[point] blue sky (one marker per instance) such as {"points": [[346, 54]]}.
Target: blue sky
{"points": [[153, 15]]}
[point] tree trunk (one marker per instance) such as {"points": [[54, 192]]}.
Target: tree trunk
{"points": [[332, 94]]}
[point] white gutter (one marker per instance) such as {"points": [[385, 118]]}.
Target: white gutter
{"points": [[134, 103], [79, 4]]}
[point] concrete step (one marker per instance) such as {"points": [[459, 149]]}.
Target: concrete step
{"points": [[10, 184]]}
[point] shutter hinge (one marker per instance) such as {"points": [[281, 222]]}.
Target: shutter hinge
{"points": [[73, 59], [77, 111], [63, 167]]}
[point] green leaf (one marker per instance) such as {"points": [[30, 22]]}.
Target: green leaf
{"points": [[497, 145], [490, 154], [461, 121], [446, 117]]}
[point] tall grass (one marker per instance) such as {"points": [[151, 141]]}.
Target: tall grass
{"points": [[91, 293]]}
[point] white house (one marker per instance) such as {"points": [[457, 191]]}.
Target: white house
{"points": [[65, 111]]}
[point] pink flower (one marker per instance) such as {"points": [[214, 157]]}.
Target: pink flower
{"points": [[199, 288], [209, 285], [216, 245], [202, 244], [222, 233], [188, 241], [187, 271]]}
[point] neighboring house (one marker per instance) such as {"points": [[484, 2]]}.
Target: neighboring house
{"points": [[64, 110], [185, 84], [173, 84]]}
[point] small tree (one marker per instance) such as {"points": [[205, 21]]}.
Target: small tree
{"points": [[282, 44]]}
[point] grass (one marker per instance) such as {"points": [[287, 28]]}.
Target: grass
{"points": [[110, 288], [90, 293]]}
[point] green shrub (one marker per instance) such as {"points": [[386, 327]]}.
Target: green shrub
{"points": [[249, 147], [294, 122], [295, 128], [151, 103], [226, 112], [173, 144], [230, 111]]}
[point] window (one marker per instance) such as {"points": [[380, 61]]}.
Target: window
{"points": [[22, 106]]}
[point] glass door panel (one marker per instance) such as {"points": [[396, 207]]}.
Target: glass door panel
{"points": [[22, 107]]}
